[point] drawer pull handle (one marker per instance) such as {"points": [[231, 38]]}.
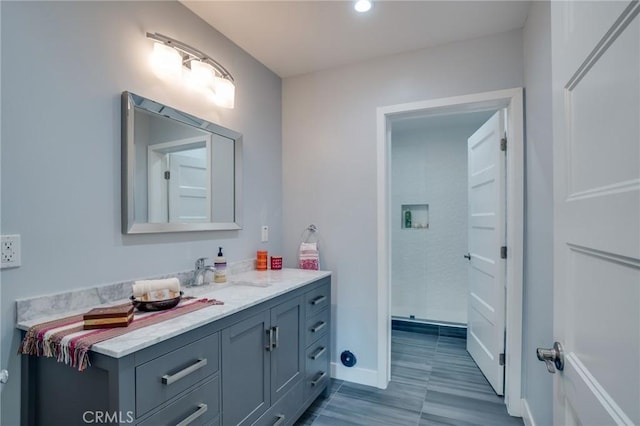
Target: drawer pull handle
{"points": [[317, 353], [318, 300], [202, 408], [319, 326], [168, 379], [280, 420], [318, 379]]}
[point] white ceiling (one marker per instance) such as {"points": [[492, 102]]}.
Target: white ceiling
{"points": [[298, 37]]}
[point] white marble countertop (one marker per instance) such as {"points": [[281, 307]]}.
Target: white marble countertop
{"points": [[240, 292]]}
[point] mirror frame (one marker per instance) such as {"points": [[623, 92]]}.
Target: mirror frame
{"points": [[129, 225]]}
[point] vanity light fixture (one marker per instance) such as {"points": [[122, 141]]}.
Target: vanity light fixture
{"points": [[362, 6], [176, 60]]}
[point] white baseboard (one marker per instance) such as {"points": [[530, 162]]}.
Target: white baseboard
{"points": [[527, 417], [514, 405], [358, 375]]}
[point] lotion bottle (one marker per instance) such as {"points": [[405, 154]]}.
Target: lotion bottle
{"points": [[220, 265]]}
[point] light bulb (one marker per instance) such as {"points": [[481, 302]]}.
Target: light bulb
{"points": [[201, 74], [224, 92], [362, 5], [166, 61]]}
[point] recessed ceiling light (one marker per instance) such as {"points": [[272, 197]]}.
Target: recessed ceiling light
{"points": [[362, 5]]}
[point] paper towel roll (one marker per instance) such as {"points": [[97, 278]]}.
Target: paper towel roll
{"points": [[143, 287]]}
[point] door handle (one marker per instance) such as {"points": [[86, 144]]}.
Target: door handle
{"points": [[467, 256], [553, 358], [276, 342], [269, 346]]}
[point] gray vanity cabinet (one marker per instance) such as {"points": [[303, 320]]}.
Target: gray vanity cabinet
{"points": [[261, 366], [261, 361]]}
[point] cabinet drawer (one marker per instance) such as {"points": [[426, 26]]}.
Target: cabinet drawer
{"points": [[199, 407], [282, 412], [318, 299], [316, 327], [317, 357], [166, 376], [316, 366]]}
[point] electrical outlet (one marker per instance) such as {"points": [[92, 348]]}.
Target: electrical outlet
{"points": [[10, 251], [265, 233]]}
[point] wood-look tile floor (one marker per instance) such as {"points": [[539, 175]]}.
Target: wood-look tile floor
{"points": [[434, 381]]}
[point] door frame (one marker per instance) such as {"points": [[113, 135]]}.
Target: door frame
{"points": [[512, 100]]}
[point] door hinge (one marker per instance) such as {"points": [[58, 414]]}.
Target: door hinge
{"points": [[503, 252], [167, 175], [501, 359], [503, 143]]}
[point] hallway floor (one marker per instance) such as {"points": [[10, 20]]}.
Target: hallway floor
{"points": [[434, 381]]}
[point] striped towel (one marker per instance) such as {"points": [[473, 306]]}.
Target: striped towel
{"points": [[67, 341], [309, 256]]}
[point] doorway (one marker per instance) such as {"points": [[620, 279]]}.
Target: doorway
{"points": [[429, 209], [511, 100]]}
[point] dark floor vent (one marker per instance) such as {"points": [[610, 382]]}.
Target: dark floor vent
{"points": [[348, 359]]}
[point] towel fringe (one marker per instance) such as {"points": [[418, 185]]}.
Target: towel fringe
{"points": [[76, 353]]}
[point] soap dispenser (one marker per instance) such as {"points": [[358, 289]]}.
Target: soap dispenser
{"points": [[220, 265]]}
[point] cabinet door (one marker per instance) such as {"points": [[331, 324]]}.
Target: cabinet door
{"points": [[245, 370], [287, 354]]}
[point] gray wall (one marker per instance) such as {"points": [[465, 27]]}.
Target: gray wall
{"points": [[329, 162], [64, 66], [538, 251]]}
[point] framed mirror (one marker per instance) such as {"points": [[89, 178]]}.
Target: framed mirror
{"points": [[179, 172]]}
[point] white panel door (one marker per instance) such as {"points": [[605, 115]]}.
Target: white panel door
{"points": [[486, 310], [189, 184], [596, 111]]}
